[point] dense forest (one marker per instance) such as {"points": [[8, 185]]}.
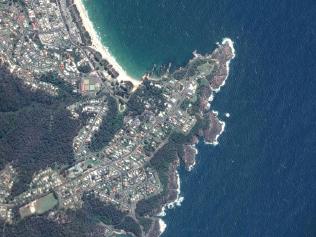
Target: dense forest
{"points": [[65, 88], [35, 130], [148, 93], [106, 213], [112, 122], [75, 224], [109, 215]]}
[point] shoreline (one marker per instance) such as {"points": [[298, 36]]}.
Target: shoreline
{"points": [[173, 204], [162, 226], [179, 198], [231, 45], [214, 142], [223, 124], [190, 168], [98, 46]]}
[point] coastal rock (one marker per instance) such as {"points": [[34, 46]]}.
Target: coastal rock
{"points": [[223, 54], [189, 156], [204, 99], [173, 185], [215, 129]]}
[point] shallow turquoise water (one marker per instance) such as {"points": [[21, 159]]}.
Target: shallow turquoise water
{"points": [[143, 33]]}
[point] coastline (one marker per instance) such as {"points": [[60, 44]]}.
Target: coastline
{"points": [[212, 134], [98, 46], [170, 205], [177, 202], [233, 51], [222, 124], [190, 167], [162, 226]]}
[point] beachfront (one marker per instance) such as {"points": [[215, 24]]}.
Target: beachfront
{"points": [[97, 45]]}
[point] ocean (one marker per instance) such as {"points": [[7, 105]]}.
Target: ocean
{"points": [[261, 179]]}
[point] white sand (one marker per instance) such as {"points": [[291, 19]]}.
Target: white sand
{"points": [[163, 212], [162, 226], [97, 45]]}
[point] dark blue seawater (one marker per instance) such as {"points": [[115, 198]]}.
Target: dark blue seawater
{"points": [[261, 179]]}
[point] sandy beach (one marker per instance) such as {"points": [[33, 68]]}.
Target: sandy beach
{"points": [[97, 45], [162, 226]]}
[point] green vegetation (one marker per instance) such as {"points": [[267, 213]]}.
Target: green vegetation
{"points": [[78, 224], [110, 215], [42, 205], [161, 163], [203, 89], [148, 206], [46, 203], [130, 225], [185, 104], [35, 130], [110, 125], [148, 93], [145, 223], [180, 139], [162, 160], [106, 213], [180, 74], [84, 68], [65, 89]]}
